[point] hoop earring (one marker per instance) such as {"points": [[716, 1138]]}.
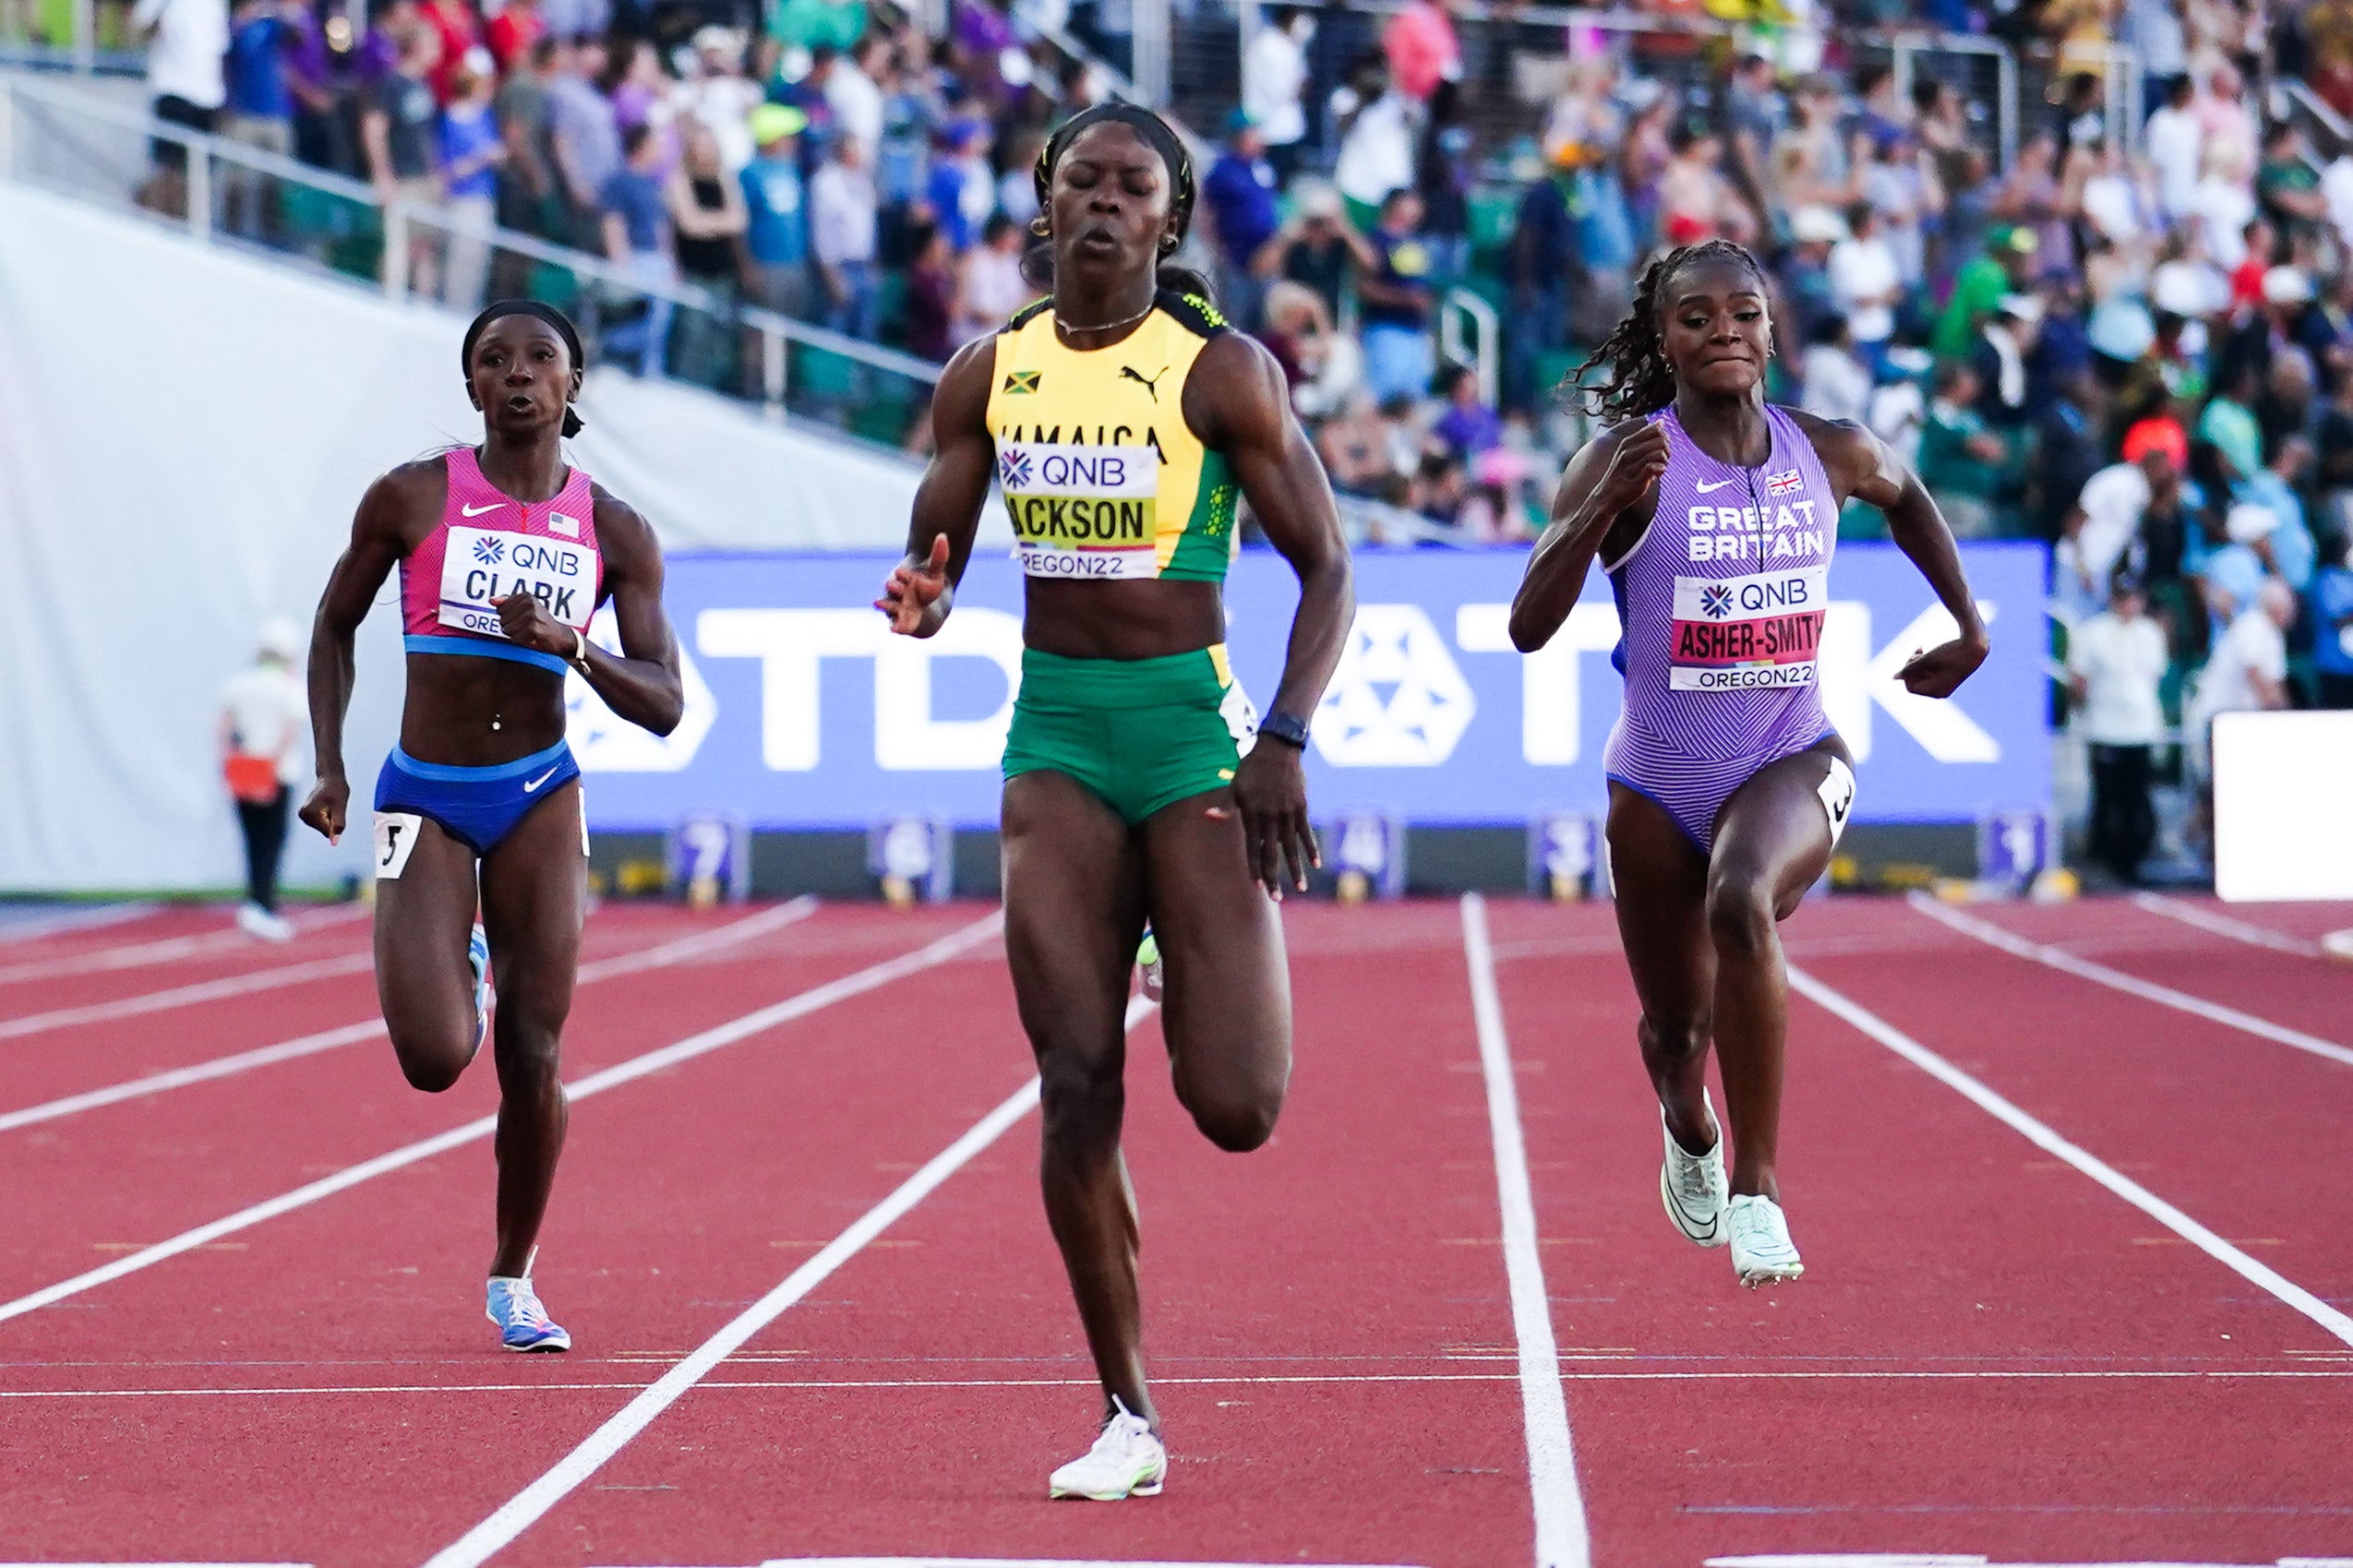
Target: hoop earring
{"points": [[1041, 228]]}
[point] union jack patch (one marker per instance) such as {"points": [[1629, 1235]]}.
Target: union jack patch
{"points": [[1021, 381], [1785, 482]]}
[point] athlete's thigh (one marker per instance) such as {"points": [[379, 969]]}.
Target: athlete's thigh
{"points": [[1660, 882], [534, 894], [1073, 891], [1774, 833], [1226, 985], [424, 904]]}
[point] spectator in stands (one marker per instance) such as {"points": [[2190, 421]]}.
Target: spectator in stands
{"points": [[461, 32], [843, 237], [1375, 121], [1423, 49], [930, 309], [989, 285], [2031, 198], [473, 153], [1961, 462], [1696, 202], [1398, 302], [2068, 451], [776, 213], [1443, 175], [579, 18], [720, 98], [1274, 80], [2331, 610], [1814, 165], [852, 91], [1542, 263], [1865, 284], [1838, 385], [2176, 140], [1752, 121], [708, 220], [258, 106], [530, 200], [1999, 360], [2104, 523], [1318, 247], [515, 32], [585, 137], [1239, 199], [637, 237], [817, 24], [963, 187], [2115, 665], [184, 85], [399, 128], [1324, 366], [1467, 428]]}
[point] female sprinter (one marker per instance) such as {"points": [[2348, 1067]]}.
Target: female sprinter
{"points": [[1119, 417], [1715, 515], [504, 553]]}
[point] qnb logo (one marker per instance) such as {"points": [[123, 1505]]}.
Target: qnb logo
{"points": [[490, 552], [1013, 468], [1716, 600], [1783, 593]]}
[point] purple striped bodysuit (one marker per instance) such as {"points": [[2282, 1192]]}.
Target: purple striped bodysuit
{"points": [[1721, 605]]}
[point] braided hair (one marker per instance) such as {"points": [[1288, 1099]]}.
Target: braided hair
{"points": [[1640, 380]]}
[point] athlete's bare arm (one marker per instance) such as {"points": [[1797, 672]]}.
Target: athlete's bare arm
{"points": [[1238, 402], [641, 683], [1862, 466], [381, 530], [921, 588], [1605, 497]]}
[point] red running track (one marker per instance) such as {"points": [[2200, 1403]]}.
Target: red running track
{"points": [[1991, 1354]]}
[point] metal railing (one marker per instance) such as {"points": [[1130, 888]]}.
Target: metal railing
{"points": [[224, 191], [1470, 333]]}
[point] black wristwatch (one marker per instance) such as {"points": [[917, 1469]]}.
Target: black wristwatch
{"points": [[1283, 727]]}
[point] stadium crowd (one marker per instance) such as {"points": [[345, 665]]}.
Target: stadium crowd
{"points": [[2137, 349]]}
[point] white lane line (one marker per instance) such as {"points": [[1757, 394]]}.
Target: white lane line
{"points": [[1562, 1540], [1028, 1562], [673, 951], [1935, 1560], [2041, 1135], [267, 1390], [2131, 985], [636, 1067], [186, 995], [519, 1512], [170, 950], [2224, 926], [29, 927]]}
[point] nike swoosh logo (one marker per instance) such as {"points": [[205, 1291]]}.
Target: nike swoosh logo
{"points": [[477, 511], [540, 780], [1702, 486]]}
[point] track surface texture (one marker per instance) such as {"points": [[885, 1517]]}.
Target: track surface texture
{"points": [[2076, 1286]]}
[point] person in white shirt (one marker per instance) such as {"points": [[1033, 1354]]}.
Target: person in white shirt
{"points": [[2175, 144], [2247, 671], [721, 98], [843, 216], [264, 714], [2116, 661], [1376, 147], [184, 79], [1273, 73], [1837, 386], [1866, 282], [2113, 502], [852, 93]]}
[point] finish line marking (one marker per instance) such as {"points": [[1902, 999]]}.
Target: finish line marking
{"points": [[1562, 1539], [2045, 1138], [528, 1506]]}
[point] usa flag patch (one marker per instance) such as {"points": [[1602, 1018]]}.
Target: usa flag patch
{"points": [[1784, 483]]}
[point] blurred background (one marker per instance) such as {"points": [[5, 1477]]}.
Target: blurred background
{"points": [[2083, 262]]}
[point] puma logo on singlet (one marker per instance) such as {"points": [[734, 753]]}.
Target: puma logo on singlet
{"points": [[1150, 384]]}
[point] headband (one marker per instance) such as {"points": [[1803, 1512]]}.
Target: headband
{"points": [[1144, 123], [547, 313]]}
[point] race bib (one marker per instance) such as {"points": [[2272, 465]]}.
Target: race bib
{"points": [[481, 567], [1744, 633], [395, 842], [1082, 511]]}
